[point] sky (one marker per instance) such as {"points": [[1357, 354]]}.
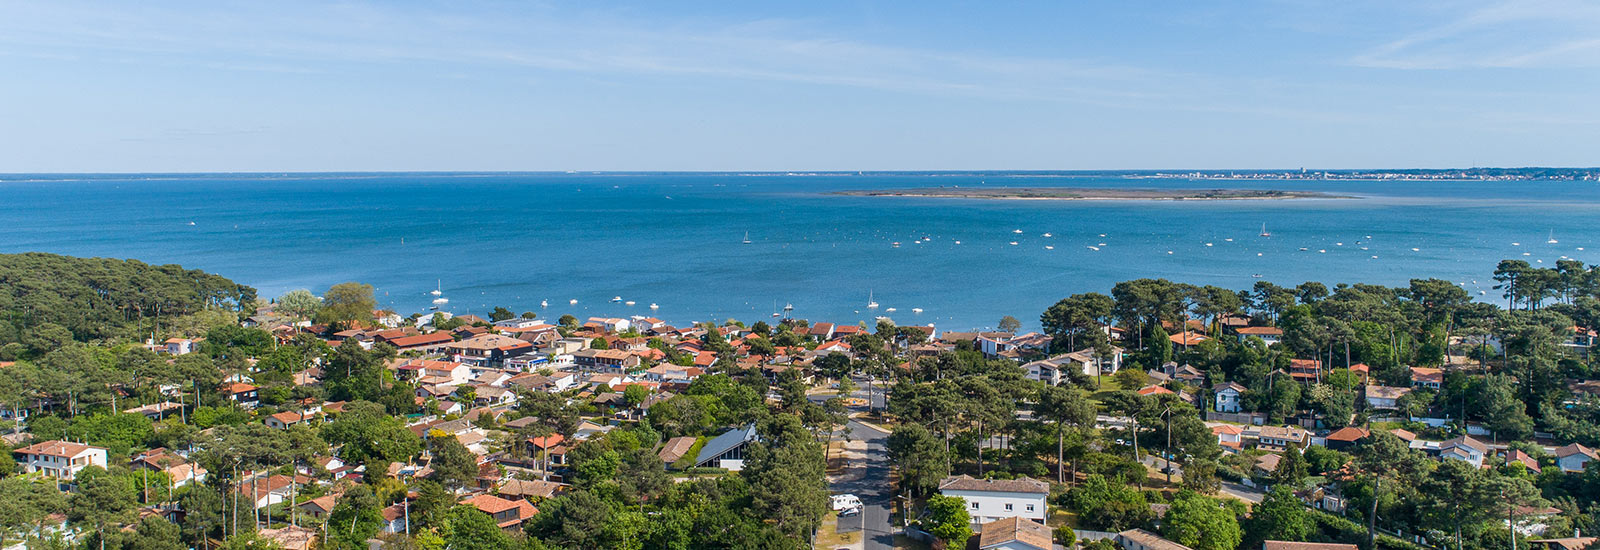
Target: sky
{"points": [[820, 85]]}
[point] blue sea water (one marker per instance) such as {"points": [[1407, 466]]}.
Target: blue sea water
{"points": [[675, 239]]}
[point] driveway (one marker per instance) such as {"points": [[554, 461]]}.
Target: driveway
{"points": [[1235, 490]]}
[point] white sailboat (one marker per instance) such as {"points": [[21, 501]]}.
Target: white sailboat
{"points": [[871, 304], [1552, 238], [437, 288], [1264, 231], [747, 237]]}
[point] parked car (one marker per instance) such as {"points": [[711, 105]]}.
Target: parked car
{"points": [[847, 512]]}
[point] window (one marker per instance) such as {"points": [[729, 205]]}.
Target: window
{"points": [[1030, 507], [1008, 507], [974, 505]]}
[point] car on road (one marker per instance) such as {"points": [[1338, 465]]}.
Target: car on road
{"points": [[847, 512], [845, 502]]}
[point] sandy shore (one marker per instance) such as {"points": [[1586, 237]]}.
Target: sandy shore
{"points": [[1068, 193]]}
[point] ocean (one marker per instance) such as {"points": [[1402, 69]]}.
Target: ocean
{"points": [[675, 240]]}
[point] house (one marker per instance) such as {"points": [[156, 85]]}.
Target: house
{"points": [[1227, 397], [1385, 397], [1228, 436], [181, 346], [290, 537], [1305, 370], [1140, 539], [1187, 338], [1346, 437], [156, 411], [1464, 448], [1582, 339], [1569, 543], [530, 489], [992, 499], [1286, 545], [178, 469], [612, 360], [1189, 375], [1573, 457], [609, 324], [488, 350], [675, 448], [320, 507], [242, 393], [394, 518], [1279, 438], [433, 342], [283, 420], [517, 323], [1092, 364], [820, 332], [1269, 335], [440, 372], [726, 450], [1154, 390], [1014, 533], [59, 459], [1266, 464], [508, 514], [1517, 456], [1052, 371], [1362, 370], [1424, 377], [270, 490]]}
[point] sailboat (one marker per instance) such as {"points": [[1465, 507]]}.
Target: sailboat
{"points": [[437, 288], [871, 304], [1552, 238], [1264, 232], [747, 237]]}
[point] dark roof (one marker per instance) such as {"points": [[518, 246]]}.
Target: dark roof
{"points": [[724, 443]]}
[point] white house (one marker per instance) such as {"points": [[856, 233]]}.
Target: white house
{"points": [[1572, 458], [181, 346], [518, 323], [1228, 397], [59, 459], [1051, 371], [1464, 448], [1385, 397], [726, 450], [992, 499], [1268, 335]]}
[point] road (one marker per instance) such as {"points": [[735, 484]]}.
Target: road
{"points": [[1235, 490], [867, 478]]}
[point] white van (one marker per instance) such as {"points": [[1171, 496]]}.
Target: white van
{"points": [[845, 502]]}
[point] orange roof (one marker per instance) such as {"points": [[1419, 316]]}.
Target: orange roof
{"points": [[1153, 390], [422, 340], [1275, 331], [1188, 337], [1348, 433], [1226, 429], [240, 387], [547, 441], [66, 449], [492, 505]]}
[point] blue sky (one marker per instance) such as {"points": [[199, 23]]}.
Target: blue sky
{"points": [[821, 85]]}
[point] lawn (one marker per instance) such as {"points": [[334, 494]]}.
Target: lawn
{"points": [[829, 539]]}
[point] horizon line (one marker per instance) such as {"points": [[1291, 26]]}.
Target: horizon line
{"points": [[782, 172]]}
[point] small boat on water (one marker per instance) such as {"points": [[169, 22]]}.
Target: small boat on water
{"points": [[544, 303], [629, 303], [1264, 232], [616, 299], [916, 310], [1047, 235], [895, 244], [1256, 276], [437, 288], [1209, 244], [1552, 238], [1048, 247], [441, 301], [871, 303], [890, 310], [654, 306], [1013, 243], [573, 301], [747, 237], [1017, 231], [1094, 248]]}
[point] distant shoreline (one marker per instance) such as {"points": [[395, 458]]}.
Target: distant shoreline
{"points": [[1081, 194]]}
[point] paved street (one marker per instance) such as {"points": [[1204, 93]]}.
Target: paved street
{"points": [[866, 477]]}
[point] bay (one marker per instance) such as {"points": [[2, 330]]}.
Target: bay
{"points": [[675, 239]]}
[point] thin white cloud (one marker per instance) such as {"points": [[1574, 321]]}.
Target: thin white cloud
{"points": [[1505, 34]]}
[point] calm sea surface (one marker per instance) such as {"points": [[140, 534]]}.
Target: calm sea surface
{"points": [[675, 239]]}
